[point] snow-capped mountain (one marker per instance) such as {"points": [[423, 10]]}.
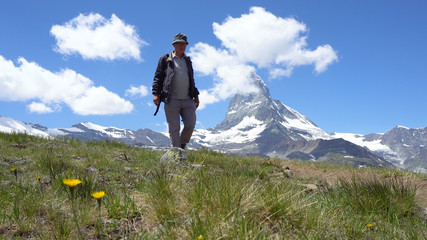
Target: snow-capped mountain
{"points": [[252, 120], [140, 137], [260, 107], [256, 124], [396, 146], [10, 125], [87, 130]]}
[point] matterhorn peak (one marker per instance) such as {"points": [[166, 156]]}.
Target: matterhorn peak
{"points": [[262, 108], [255, 122], [259, 84]]}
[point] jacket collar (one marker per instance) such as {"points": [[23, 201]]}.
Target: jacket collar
{"points": [[173, 54]]}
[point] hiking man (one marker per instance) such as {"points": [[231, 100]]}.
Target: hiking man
{"points": [[174, 85]]}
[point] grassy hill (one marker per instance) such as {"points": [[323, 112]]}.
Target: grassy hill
{"points": [[212, 196]]}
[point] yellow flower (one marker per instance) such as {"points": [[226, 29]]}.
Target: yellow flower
{"points": [[15, 172], [370, 225], [136, 168], [178, 176], [200, 237], [71, 182], [38, 178], [98, 195]]}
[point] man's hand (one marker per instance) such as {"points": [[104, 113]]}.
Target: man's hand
{"points": [[156, 100], [196, 102]]}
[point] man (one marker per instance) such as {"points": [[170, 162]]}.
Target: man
{"points": [[174, 85]]}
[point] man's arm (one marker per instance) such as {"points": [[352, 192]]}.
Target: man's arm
{"points": [[159, 77]]}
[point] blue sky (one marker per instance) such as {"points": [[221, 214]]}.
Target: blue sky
{"points": [[349, 66]]}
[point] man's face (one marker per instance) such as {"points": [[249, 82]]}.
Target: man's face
{"points": [[180, 47]]}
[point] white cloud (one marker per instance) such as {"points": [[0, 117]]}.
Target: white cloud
{"points": [[280, 72], [266, 40], [100, 101], [231, 76], [35, 107], [95, 37], [29, 81], [206, 98], [257, 40], [140, 91]]}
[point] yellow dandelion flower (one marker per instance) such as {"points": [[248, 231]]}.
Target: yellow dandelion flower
{"points": [[38, 178], [136, 168], [178, 176], [200, 237], [98, 195], [370, 225], [15, 172], [71, 182]]}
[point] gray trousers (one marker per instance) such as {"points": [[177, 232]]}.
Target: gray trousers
{"points": [[186, 109]]}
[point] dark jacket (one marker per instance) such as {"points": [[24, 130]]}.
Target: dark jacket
{"points": [[164, 76]]}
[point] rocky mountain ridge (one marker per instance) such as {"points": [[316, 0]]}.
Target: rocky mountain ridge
{"points": [[256, 124], [401, 146]]}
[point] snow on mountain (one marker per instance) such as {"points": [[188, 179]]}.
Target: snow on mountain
{"points": [[9, 125], [63, 131], [302, 123], [403, 127], [112, 132], [374, 145], [247, 130]]}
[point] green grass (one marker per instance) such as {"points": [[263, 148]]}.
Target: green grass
{"points": [[212, 196]]}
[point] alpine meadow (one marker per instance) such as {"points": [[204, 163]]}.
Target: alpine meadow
{"points": [[73, 189]]}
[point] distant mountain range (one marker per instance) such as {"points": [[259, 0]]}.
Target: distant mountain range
{"points": [[256, 124]]}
